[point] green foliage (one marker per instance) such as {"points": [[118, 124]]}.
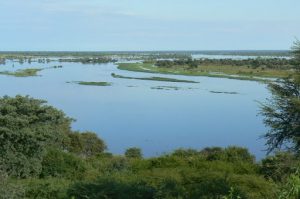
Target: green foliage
{"points": [[9, 190], [253, 186], [291, 188], [279, 166], [282, 114], [27, 127], [57, 163], [86, 144], [133, 152], [230, 154], [185, 152], [113, 188], [46, 188], [282, 111], [232, 194]]}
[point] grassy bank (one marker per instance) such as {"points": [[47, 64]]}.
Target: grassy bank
{"points": [[230, 72], [163, 79]]}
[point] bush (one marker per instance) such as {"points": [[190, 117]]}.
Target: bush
{"points": [[60, 164], [46, 188], [133, 153], [113, 188], [10, 190], [86, 144]]}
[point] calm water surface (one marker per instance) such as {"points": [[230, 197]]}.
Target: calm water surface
{"points": [[131, 113]]}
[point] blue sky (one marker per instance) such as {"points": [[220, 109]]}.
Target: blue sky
{"points": [[102, 25]]}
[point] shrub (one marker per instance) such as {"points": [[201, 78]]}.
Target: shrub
{"points": [[58, 163]]}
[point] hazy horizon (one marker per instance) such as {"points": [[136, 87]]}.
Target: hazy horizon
{"points": [[137, 25], [116, 51]]}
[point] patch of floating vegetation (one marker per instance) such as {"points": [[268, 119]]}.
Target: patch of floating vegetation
{"points": [[92, 83], [170, 88], [164, 79], [130, 86], [224, 92], [58, 66], [29, 72], [166, 88]]}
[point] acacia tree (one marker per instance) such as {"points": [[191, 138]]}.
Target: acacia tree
{"points": [[282, 110]]}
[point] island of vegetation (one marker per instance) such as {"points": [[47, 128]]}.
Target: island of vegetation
{"points": [[92, 83], [224, 92], [163, 79], [170, 88], [28, 72], [251, 69]]}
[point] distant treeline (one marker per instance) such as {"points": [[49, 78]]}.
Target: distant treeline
{"points": [[86, 60], [279, 53], [272, 63]]}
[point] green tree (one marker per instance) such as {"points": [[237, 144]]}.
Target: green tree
{"points": [[282, 114], [238, 154], [282, 110], [133, 153], [86, 144], [27, 127]]}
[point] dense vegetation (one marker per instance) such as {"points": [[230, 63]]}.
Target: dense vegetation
{"points": [[271, 63]]}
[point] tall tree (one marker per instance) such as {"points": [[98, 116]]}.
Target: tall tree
{"points": [[282, 110]]}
